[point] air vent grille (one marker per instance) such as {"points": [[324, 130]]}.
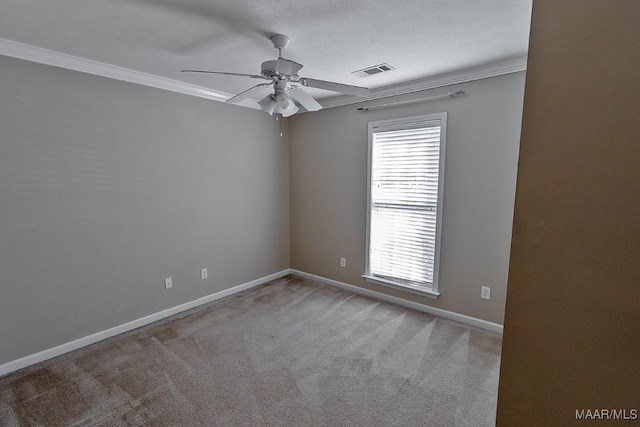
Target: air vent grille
{"points": [[376, 69]]}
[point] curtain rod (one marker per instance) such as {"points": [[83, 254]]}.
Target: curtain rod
{"points": [[450, 95]]}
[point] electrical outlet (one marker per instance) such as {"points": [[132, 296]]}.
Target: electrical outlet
{"points": [[204, 273], [485, 292], [343, 262], [168, 282]]}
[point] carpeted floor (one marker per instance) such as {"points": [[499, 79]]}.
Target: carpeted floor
{"points": [[291, 352]]}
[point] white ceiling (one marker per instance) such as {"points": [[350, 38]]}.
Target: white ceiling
{"points": [[421, 38]]}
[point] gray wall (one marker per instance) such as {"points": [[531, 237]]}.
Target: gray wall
{"points": [[328, 192], [107, 187]]}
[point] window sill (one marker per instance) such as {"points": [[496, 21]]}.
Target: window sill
{"points": [[402, 286]]}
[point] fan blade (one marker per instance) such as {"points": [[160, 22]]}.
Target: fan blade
{"points": [[253, 76], [304, 99], [336, 87], [287, 67], [242, 95]]}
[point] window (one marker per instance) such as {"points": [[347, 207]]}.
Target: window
{"points": [[404, 214]]}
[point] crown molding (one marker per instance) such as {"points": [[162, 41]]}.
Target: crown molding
{"points": [[83, 65], [75, 63], [447, 79]]}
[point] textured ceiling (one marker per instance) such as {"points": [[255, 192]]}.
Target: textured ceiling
{"points": [[421, 38]]}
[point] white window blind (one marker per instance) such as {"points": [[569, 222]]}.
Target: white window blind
{"points": [[405, 192]]}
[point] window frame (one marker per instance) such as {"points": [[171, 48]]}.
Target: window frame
{"points": [[396, 124]]}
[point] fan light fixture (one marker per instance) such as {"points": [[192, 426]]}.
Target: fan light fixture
{"points": [[279, 103], [268, 104]]}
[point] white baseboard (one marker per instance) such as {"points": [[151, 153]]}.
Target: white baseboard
{"points": [[134, 324], [462, 318], [146, 320]]}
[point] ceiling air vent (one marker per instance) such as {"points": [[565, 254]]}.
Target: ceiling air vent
{"points": [[370, 71]]}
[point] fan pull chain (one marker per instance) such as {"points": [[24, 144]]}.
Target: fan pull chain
{"points": [[278, 120]]}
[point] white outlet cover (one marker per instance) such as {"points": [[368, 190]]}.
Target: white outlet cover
{"points": [[343, 262], [168, 282], [485, 292], [204, 273]]}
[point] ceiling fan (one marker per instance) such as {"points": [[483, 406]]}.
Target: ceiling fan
{"points": [[287, 84]]}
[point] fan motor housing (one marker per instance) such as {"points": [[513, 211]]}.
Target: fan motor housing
{"points": [[269, 69]]}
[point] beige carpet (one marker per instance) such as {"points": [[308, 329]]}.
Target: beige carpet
{"points": [[291, 352]]}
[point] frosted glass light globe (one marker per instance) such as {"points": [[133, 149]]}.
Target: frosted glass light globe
{"points": [[285, 104]]}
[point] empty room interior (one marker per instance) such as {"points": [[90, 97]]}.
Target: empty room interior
{"points": [[345, 213]]}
